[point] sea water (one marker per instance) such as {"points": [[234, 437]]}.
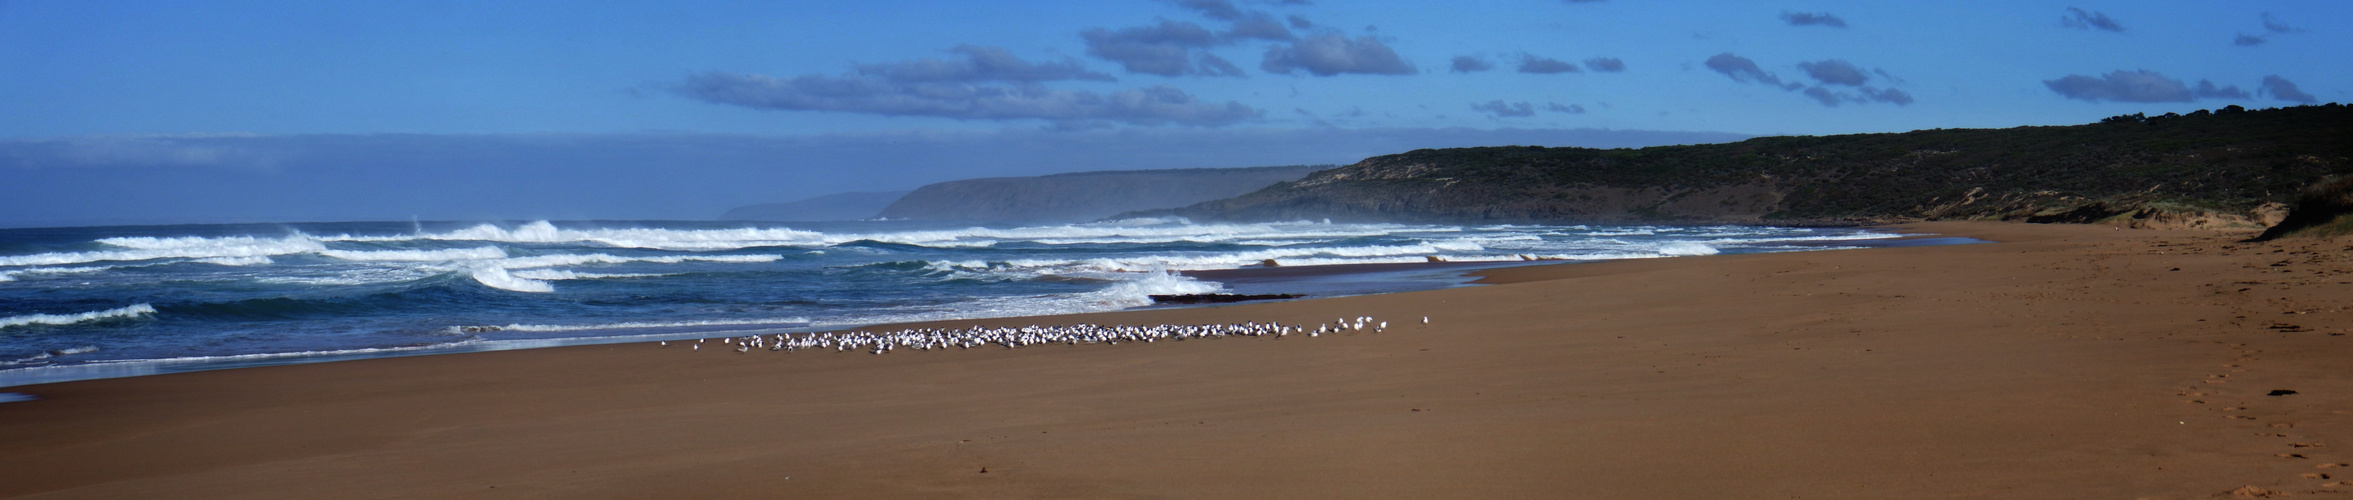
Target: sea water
{"points": [[92, 302]]}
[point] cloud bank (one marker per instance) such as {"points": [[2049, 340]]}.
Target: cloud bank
{"points": [[987, 83], [1165, 49], [2282, 89], [1332, 54], [1545, 65], [1744, 70], [2139, 86], [1470, 64], [2271, 27], [2089, 20], [980, 64], [1154, 105], [1823, 19], [1828, 71], [1834, 71]]}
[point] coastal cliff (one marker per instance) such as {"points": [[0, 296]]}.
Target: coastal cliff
{"points": [[1083, 196], [2227, 168]]}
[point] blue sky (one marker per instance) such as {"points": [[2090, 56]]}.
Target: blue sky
{"points": [[235, 88]]}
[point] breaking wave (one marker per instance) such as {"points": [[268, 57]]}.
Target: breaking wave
{"points": [[132, 311]]}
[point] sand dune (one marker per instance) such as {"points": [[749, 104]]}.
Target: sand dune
{"points": [[2062, 362]]}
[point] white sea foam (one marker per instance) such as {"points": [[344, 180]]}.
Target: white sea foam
{"points": [[1138, 292], [1157, 231], [102, 364], [562, 274], [1211, 261], [237, 261], [477, 253], [497, 277], [1686, 248], [364, 276], [1133, 290], [169, 248], [556, 260], [783, 322], [132, 311], [11, 275]]}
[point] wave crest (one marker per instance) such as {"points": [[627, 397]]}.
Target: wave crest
{"points": [[132, 311]]}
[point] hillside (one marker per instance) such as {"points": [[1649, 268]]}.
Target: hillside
{"points": [[1083, 196], [2230, 167], [837, 206]]}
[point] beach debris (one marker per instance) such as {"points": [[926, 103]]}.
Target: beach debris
{"points": [[2252, 491], [967, 338], [2280, 392]]}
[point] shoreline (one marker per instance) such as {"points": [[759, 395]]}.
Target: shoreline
{"points": [[2065, 362], [1312, 281]]}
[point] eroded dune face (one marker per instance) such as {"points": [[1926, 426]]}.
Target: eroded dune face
{"points": [[2321, 210]]}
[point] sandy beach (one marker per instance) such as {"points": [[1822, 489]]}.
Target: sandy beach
{"points": [[2063, 361]]}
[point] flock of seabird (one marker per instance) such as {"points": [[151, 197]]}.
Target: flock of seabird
{"points": [[1085, 333]]}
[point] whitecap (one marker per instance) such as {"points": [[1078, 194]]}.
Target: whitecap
{"points": [[562, 274], [497, 277], [1686, 248], [477, 253], [132, 311], [144, 248], [255, 260]]}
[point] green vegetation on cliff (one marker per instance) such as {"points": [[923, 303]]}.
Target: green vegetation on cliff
{"points": [[2231, 166]]}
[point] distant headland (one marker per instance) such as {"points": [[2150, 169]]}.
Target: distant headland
{"points": [[2231, 167]]}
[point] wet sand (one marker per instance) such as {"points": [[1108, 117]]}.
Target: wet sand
{"points": [[2062, 362]]}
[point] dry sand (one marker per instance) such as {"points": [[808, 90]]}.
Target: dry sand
{"points": [[2064, 362]]}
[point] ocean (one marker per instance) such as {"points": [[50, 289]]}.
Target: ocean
{"points": [[96, 302]]}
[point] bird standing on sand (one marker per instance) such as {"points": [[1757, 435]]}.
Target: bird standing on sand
{"points": [[931, 338]]}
